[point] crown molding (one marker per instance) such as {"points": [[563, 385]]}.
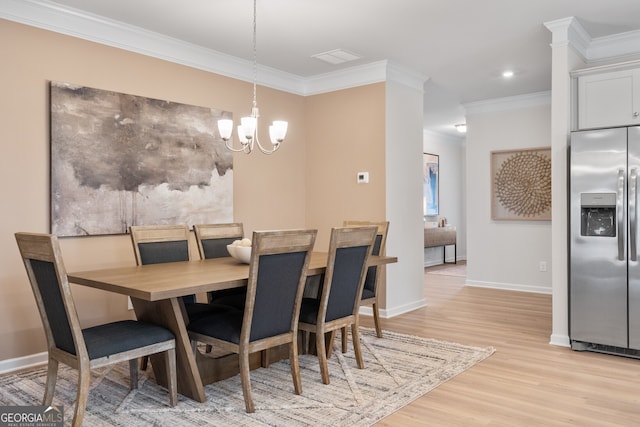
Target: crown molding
{"points": [[569, 31], [76, 23], [375, 72], [405, 76], [508, 103], [619, 66], [360, 75], [615, 46]]}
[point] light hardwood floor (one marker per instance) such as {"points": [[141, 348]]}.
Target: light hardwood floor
{"points": [[527, 381]]}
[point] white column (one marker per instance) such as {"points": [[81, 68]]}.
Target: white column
{"points": [[567, 34]]}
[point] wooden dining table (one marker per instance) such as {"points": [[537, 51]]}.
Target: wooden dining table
{"points": [[155, 292]]}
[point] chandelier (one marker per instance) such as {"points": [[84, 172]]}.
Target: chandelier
{"points": [[248, 128]]}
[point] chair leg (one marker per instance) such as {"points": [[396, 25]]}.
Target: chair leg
{"points": [[172, 381], [144, 362], [264, 358], [312, 344], [52, 376], [84, 377], [133, 374], [303, 342], [329, 338], [376, 319], [356, 345], [246, 380], [295, 366], [343, 334], [322, 356]]}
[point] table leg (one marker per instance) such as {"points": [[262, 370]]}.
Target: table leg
{"points": [[168, 313]]}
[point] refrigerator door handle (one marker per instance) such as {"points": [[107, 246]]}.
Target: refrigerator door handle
{"points": [[633, 214], [620, 211]]}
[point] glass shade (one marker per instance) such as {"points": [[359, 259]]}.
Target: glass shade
{"points": [[241, 136], [248, 125], [225, 127], [278, 131]]}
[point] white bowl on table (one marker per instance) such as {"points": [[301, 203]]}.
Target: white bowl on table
{"points": [[241, 253]]}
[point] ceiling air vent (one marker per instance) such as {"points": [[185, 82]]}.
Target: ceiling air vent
{"points": [[336, 56]]}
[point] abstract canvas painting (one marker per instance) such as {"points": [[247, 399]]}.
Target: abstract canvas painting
{"points": [[430, 197], [119, 160]]}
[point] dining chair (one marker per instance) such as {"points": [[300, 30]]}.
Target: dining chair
{"points": [[372, 281], [155, 244], [212, 242], [277, 273], [339, 302], [89, 348]]}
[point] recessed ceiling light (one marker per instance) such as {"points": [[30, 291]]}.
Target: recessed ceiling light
{"points": [[462, 127], [336, 56], [507, 74]]}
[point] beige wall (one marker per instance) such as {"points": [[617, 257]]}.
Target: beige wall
{"points": [[345, 132], [310, 182]]}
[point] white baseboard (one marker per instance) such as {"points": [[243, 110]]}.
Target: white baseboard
{"points": [[431, 262], [509, 286], [24, 362], [396, 311], [560, 340]]}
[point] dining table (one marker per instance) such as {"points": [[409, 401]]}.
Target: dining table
{"points": [[156, 291]]}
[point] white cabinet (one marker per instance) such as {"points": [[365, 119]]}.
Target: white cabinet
{"points": [[609, 99]]}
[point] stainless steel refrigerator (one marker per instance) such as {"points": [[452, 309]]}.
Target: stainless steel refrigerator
{"points": [[604, 273]]}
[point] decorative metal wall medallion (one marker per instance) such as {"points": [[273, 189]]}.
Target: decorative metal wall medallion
{"points": [[521, 184]]}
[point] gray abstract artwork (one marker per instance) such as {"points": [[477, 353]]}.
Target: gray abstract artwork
{"points": [[119, 160]]}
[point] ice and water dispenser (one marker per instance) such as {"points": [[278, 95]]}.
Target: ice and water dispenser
{"points": [[598, 214]]}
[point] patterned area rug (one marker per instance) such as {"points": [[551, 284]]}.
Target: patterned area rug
{"points": [[398, 369], [459, 270]]}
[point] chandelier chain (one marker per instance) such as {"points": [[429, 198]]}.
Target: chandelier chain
{"points": [[248, 131], [255, 54]]}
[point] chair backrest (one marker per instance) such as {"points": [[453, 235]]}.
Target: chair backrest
{"points": [[379, 248], [349, 250], [277, 274], [48, 277], [213, 239], [155, 244]]}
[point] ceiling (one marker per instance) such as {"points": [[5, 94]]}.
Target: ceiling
{"points": [[462, 46]]}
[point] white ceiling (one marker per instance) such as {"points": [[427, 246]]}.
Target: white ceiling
{"points": [[462, 46]]}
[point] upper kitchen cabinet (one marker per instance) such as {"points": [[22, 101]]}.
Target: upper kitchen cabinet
{"points": [[608, 99]]}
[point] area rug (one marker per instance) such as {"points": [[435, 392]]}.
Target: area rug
{"points": [[459, 270], [398, 369]]}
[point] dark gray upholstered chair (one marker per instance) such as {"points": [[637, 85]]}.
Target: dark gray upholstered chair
{"points": [[339, 302], [374, 274], [85, 349], [155, 244], [212, 242], [277, 272]]}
